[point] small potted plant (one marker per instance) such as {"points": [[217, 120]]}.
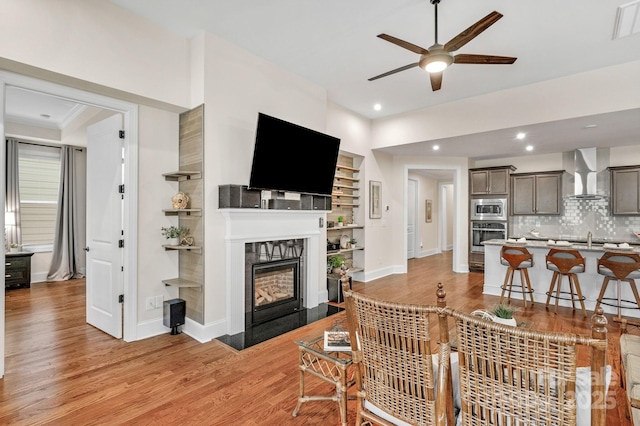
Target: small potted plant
{"points": [[340, 221], [14, 248], [334, 263], [504, 314], [173, 234], [353, 242]]}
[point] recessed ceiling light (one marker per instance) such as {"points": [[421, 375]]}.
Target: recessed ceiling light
{"points": [[45, 116], [377, 107], [436, 147], [529, 148], [590, 126], [521, 136]]}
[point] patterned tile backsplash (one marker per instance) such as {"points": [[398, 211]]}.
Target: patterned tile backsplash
{"points": [[580, 216]]}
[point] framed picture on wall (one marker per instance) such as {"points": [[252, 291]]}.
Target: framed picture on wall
{"points": [[375, 199], [427, 211]]}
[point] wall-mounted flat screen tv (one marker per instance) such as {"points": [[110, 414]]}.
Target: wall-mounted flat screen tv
{"points": [[291, 158]]}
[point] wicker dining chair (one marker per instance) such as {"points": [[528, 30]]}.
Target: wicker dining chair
{"points": [[512, 376], [395, 376]]}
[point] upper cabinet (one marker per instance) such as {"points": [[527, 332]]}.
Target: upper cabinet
{"points": [[625, 190], [536, 193], [490, 181]]}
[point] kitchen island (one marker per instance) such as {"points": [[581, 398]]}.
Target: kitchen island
{"points": [[540, 276]]}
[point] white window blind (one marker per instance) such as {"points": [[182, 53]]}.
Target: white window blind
{"points": [[39, 168]]}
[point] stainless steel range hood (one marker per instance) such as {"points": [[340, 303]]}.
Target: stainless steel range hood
{"points": [[586, 173]]}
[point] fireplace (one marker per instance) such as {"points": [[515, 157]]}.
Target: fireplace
{"points": [[274, 279], [246, 231], [275, 289]]}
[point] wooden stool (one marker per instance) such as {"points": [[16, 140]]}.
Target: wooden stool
{"points": [[517, 259], [621, 267], [565, 263]]}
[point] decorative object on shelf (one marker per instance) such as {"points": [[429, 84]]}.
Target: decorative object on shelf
{"points": [[375, 199], [173, 234], [334, 264], [353, 242], [331, 224], [340, 221], [186, 241], [345, 242], [428, 211], [14, 248], [180, 200]]}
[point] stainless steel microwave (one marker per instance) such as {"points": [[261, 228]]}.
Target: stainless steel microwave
{"points": [[488, 209]]}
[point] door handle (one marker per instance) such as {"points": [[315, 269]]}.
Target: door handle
{"points": [[86, 248]]}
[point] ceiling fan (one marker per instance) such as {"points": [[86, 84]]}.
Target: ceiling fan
{"points": [[438, 57]]}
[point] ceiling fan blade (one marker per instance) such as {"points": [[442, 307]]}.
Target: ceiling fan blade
{"points": [[406, 67], [483, 59], [404, 44], [436, 80], [472, 32]]}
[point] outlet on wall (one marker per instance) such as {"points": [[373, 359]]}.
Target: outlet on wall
{"points": [[151, 303], [159, 300]]}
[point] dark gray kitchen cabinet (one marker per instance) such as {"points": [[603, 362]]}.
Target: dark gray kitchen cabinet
{"points": [[625, 190], [490, 180], [536, 193]]}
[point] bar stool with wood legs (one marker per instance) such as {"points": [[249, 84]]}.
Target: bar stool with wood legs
{"points": [[565, 263], [621, 267], [517, 259]]}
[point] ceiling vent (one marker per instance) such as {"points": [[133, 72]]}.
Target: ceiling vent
{"points": [[627, 20]]}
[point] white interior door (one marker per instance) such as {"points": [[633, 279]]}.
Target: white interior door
{"points": [[411, 219], [105, 281]]}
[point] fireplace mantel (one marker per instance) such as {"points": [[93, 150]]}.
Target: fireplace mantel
{"points": [[255, 225]]}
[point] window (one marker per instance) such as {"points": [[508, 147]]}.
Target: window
{"points": [[39, 168]]}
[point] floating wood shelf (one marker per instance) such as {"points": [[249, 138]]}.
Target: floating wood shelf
{"points": [[182, 175], [187, 212], [347, 178], [333, 253], [344, 228], [349, 169], [180, 282], [353, 188], [338, 203], [188, 248]]}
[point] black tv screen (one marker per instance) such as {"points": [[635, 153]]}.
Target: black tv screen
{"points": [[292, 158]]}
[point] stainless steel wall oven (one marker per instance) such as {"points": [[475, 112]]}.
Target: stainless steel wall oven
{"points": [[486, 230]]}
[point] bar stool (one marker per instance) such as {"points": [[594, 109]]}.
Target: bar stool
{"points": [[517, 259], [621, 267], [565, 263]]}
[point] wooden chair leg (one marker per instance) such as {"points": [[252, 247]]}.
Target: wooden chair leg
{"points": [[524, 294], [605, 283], [579, 291], [508, 275], [572, 291], [526, 276], [635, 291], [551, 288], [558, 285]]}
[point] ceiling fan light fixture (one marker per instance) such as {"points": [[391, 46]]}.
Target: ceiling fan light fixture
{"points": [[436, 62]]}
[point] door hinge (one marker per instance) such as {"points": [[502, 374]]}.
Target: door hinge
{"points": [[121, 298], [121, 189], [121, 134], [120, 243]]}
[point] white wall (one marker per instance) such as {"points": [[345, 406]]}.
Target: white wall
{"points": [[97, 42], [427, 233], [558, 99]]}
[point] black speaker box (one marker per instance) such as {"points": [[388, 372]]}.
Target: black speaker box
{"points": [[174, 313], [283, 204], [334, 287], [238, 197], [321, 203]]}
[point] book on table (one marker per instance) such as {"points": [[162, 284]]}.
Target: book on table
{"points": [[337, 341]]}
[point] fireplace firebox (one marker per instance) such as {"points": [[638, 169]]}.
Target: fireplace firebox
{"points": [[275, 289]]}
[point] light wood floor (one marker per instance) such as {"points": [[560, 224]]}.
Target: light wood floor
{"points": [[61, 371]]}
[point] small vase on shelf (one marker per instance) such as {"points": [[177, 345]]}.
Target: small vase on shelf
{"points": [[173, 241]]}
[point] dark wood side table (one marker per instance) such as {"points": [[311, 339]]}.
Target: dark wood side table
{"points": [[17, 270]]}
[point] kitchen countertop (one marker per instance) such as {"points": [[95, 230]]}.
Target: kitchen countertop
{"points": [[582, 246]]}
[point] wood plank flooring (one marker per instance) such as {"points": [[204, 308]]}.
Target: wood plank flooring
{"points": [[59, 370]]}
